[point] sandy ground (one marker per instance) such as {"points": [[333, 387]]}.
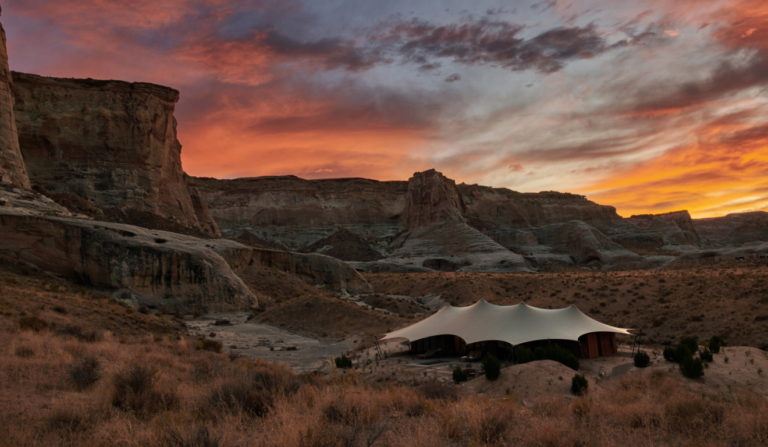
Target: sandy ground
{"points": [[268, 342]]}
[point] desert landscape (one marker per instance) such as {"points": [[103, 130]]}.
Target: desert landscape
{"points": [[143, 306]]}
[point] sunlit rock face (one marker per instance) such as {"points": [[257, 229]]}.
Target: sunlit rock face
{"points": [[12, 169], [111, 141]]}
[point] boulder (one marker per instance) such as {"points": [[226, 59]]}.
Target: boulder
{"points": [[110, 141]]}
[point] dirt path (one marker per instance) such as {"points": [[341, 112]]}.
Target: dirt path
{"points": [[268, 342]]}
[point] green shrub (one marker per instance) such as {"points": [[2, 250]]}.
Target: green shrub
{"points": [[343, 362], [669, 354], [715, 343], [492, 367], [523, 355], [642, 359], [459, 375], [690, 343], [579, 384], [682, 353], [706, 355], [692, 368]]}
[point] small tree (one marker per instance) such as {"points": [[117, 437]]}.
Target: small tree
{"points": [[642, 359], [692, 368], [690, 343], [682, 353], [715, 343], [669, 354], [459, 375], [492, 367], [706, 355], [579, 384]]}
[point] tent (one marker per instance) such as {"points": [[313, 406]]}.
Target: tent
{"points": [[515, 325]]}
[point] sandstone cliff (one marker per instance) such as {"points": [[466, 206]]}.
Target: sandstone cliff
{"points": [[152, 267], [735, 228], [12, 169], [110, 141], [674, 228], [295, 213]]}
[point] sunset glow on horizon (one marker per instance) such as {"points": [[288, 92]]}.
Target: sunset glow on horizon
{"points": [[649, 106]]}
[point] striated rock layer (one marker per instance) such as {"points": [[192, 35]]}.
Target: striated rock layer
{"points": [[12, 169], [152, 267], [431, 223], [111, 141], [734, 229]]}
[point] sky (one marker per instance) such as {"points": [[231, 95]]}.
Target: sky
{"points": [[650, 106]]}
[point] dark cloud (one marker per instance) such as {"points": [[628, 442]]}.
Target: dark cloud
{"points": [[498, 43], [453, 78]]}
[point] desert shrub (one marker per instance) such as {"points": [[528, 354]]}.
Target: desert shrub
{"points": [[690, 343], [201, 438], [68, 420], [78, 333], [240, 395], [706, 355], [715, 343], [492, 425], [492, 367], [540, 353], [209, 345], [642, 359], [669, 354], [523, 355], [134, 389], [439, 390], [24, 352], [33, 323], [84, 372], [692, 368], [459, 375], [343, 362], [579, 384], [678, 354]]}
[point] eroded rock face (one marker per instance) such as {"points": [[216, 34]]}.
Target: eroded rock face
{"points": [[296, 213], [12, 169], [154, 267], [111, 141], [323, 271], [675, 228], [432, 198], [735, 228]]}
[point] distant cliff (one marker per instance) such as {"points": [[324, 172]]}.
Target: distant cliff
{"points": [[111, 141]]}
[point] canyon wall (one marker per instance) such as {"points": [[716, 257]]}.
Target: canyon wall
{"points": [[295, 213], [111, 141], [12, 169]]}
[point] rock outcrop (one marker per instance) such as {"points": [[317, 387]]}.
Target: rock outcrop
{"points": [[12, 169], [295, 213], [149, 267], [110, 141], [735, 228], [674, 228], [345, 245]]}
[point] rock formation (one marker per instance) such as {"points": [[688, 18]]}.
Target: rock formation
{"points": [[345, 245], [735, 228], [12, 169], [296, 213], [111, 141], [675, 228], [150, 267]]}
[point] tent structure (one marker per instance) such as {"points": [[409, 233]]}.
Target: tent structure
{"points": [[515, 325]]}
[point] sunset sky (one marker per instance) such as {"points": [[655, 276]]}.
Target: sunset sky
{"points": [[647, 105]]}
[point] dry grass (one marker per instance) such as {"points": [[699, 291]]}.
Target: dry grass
{"points": [[169, 394]]}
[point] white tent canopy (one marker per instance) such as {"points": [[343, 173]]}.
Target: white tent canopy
{"points": [[515, 325]]}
